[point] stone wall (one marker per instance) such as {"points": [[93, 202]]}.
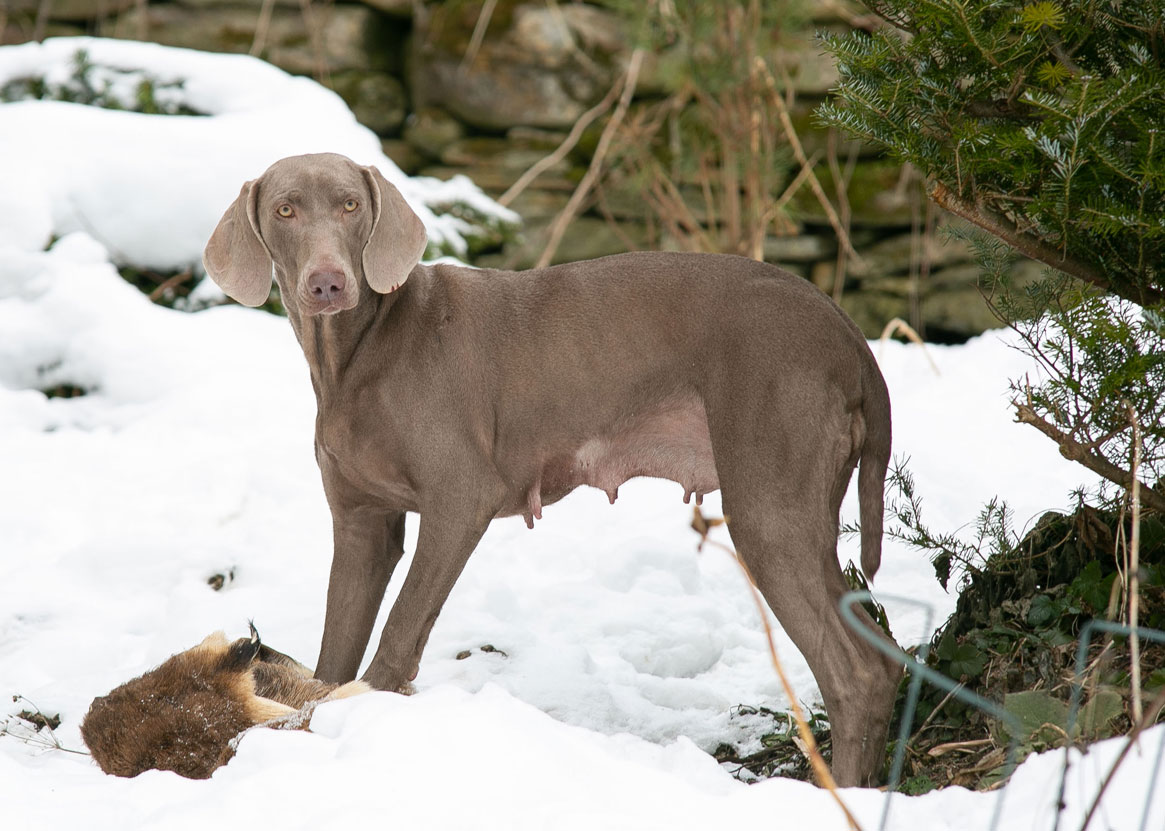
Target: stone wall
{"points": [[446, 103]]}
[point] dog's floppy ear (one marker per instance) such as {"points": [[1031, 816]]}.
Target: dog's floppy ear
{"points": [[398, 239], [236, 257]]}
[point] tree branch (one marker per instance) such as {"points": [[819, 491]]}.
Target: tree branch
{"points": [[1077, 452], [1000, 226]]}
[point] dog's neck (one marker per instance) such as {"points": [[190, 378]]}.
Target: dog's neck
{"points": [[330, 342]]}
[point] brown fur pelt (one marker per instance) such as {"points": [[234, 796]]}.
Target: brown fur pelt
{"points": [[184, 714]]}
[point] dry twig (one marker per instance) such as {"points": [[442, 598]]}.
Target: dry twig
{"points": [[32, 733], [558, 227], [169, 283], [703, 525], [803, 160], [259, 43], [899, 325], [478, 36], [1077, 452], [1134, 567], [1148, 718], [559, 153]]}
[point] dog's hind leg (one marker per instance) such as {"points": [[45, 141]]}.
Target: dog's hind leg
{"points": [[781, 498]]}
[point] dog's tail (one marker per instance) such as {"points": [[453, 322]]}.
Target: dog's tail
{"points": [[875, 459]]}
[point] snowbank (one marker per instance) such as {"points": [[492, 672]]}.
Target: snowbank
{"points": [[150, 187]]}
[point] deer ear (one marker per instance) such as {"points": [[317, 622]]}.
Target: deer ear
{"points": [[236, 257], [398, 238]]}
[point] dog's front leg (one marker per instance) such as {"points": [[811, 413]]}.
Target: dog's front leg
{"points": [[368, 545], [448, 535]]}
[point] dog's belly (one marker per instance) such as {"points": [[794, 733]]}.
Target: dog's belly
{"points": [[669, 440]]}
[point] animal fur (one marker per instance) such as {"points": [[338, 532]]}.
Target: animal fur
{"points": [[184, 714]]}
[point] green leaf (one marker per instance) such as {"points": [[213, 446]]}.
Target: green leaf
{"points": [[1092, 587], [967, 661], [1095, 718], [947, 645], [1034, 709], [1044, 610], [916, 785]]}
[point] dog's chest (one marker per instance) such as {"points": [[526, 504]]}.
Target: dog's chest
{"points": [[363, 451]]}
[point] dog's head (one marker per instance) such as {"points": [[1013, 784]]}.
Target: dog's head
{"points": [[326, 224]]}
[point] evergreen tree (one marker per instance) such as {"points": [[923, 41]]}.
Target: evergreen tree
{"points": [[1043, 123]]}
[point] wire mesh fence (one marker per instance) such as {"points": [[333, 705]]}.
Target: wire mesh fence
{"points": [[920, 673]]}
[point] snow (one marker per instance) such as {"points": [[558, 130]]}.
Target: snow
{"points": [[623, 650], [152, 188]]}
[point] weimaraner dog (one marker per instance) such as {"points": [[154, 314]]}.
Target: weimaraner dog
{"points": [[466, 394]]}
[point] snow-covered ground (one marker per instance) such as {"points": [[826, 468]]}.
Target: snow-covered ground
{"points": [[622, 649]]}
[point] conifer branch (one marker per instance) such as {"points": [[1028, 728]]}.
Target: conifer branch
{"points": [[1077, 452], [995, 223]]}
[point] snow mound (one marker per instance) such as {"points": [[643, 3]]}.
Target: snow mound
{"points": [[151, 187]]}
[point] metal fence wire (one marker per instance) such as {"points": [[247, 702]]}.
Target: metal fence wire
{"points": [[921, 673]]}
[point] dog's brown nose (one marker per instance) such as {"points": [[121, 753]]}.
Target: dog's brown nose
{"points": [[325, 286]]}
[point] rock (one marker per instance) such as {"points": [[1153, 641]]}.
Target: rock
{"points": [[72, 10], [957, 314], [547, 140], [256, 4], [377, 99], [536, 205], [1022, 272], [661, 73], [406, 157], [822, 275], [815, 140], [495, 180], [625, 198], [872, 311], [799, 249], [895, 286], [839, 11], [23, 29], [507, 154], [811, 70], [892, 255], [586, 237], [350, 36], [430, 130], [879, 196], [396, 8], [955, 278], [538, 65], [951, 306], [496, 163]]}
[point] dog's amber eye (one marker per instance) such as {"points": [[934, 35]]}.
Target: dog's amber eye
{"points": [[285, 211], [351, 205]]}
